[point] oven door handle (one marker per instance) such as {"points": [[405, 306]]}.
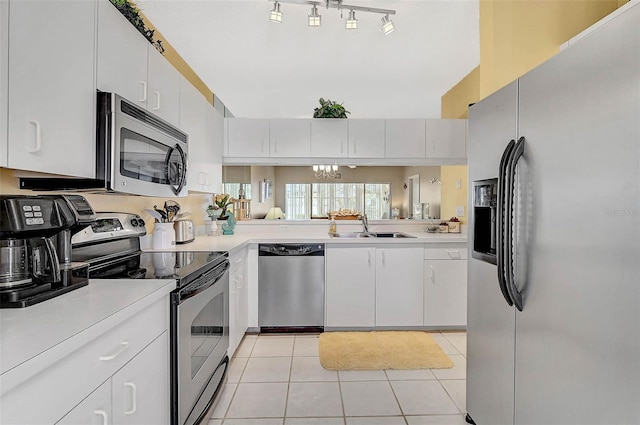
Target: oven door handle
{"points": [[203, 283]]}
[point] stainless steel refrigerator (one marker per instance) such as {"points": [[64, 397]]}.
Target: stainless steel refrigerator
{"points": [[553, 329]]}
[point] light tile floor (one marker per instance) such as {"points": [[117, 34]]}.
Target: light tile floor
{"points": [[278, 380]]}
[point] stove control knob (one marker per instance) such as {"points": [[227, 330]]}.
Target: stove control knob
{"points": [[140, 222]]}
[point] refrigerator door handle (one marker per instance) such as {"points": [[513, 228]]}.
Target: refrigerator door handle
{"points": [[514, 293], [500, 215]]}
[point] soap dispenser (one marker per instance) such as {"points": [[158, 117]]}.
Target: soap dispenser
{"points": [[332, 226]]}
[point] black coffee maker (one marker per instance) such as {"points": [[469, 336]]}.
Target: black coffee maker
{"points": [[35, 247]]}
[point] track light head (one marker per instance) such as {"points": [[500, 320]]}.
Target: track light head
{"points": [[352, 21], [276, 15], [315, 20], [387, 26]]}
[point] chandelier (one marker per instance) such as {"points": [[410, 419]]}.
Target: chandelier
{"points": [[326, 172]]}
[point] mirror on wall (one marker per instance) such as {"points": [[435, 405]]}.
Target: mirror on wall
{"points": [[383, 192]]}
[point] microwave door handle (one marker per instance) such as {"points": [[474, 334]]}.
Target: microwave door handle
{"points": [[500, 222], [167, 166], [183, 174]]}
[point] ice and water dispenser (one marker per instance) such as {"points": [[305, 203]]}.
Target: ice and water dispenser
{"points": [[485, 198]]}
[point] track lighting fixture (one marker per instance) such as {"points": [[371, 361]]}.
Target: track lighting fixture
{"points": [[315, 20], [387, 26], [276, 15]]}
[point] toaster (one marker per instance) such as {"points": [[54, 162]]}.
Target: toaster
{"points": [[185, 231]]}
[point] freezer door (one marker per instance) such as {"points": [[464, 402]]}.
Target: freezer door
{"points": [[577, 339], [491, 321]]}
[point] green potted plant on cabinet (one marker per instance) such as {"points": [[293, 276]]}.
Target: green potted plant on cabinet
{"points": [[330, 109]]}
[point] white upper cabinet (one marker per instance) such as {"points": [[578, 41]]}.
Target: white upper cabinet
{"points": [[446, 138], [163, 85], [366, 138], [127, 64], [4, 70], [212, 168], [405, 138], [52, 100], [247, 138], [289, 138], [193, 122], [121, 57], [347, 141], [329, 138]]}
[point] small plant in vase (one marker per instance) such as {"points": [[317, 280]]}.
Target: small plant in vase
{"points": [[220, 207]]}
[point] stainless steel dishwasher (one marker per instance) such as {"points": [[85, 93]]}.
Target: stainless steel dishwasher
{"points": [[291, 287]]}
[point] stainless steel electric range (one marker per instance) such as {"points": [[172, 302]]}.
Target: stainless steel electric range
{"points": [[199, 331]]}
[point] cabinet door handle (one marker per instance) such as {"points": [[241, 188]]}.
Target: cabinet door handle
{"points": [[354, 147], [454, 254], [382, 252], [275, 146], [134, 397], [144, 91], [157, 93], [241, 281], [38, 145], [341, 146], [105, 417], [123, 346], [432, 276], [369, 258]]}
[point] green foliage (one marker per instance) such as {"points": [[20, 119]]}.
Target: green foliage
{"points": [[131, 12], [330, 109]]}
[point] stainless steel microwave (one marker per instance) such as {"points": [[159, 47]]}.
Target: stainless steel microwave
{"points": [[137, 153]]}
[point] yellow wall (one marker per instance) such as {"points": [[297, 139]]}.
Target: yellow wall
{"points": [[454, 104], [518, 35], [515, 37], [452, 195], [176, 60]]}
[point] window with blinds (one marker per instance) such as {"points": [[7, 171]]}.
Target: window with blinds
{"points": [[304, 201]]}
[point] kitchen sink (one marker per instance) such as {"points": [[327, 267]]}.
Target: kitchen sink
{"points": [[370, 235], [351, 235], [390, 235]]}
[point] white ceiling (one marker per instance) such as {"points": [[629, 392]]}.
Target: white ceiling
{"points": [[260, 69]]}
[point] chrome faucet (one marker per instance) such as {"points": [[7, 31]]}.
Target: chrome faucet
{"points": [[365, 223]]}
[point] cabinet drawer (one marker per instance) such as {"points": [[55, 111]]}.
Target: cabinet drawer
{"points": [[445, 253], [61, 386]]}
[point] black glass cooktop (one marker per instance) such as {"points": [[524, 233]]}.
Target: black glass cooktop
{"points": [[157, 265]]}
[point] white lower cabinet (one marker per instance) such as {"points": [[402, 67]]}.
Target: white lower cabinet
{"points": [[130, 359], [238, 299], [399, 286], [445, 287], [136, 394], [93, 410], [350, 286], [371, 286]]}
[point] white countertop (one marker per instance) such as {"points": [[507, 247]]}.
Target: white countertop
{"points": [[236, 241], [34, 337]]}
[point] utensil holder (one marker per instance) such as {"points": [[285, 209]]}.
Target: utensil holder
{"points": [[164, 236]]}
